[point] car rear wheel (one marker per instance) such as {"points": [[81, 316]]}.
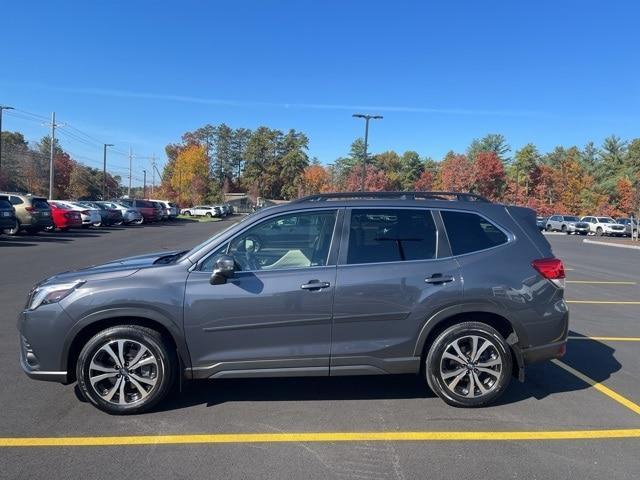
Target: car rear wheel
{"points": [[469, 365], [599, 231], [14, 230], [564, 229], [126, 369]]}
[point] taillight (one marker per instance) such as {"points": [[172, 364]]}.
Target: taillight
{"points": [[551, 269], [30, 209]]}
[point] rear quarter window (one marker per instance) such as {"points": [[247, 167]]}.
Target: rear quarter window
{"points": [[469, 232], [40, 204]]}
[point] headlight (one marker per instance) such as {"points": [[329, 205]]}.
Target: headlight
{"points": [[52, 293]]}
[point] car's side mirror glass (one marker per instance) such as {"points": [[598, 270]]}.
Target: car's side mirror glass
{"points": [[223, 269]]}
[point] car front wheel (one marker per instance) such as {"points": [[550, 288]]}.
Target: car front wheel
{"points": [[469, 365], [126, 369]]}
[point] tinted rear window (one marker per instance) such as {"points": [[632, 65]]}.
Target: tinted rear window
{"points": [[40, 204], [144, 204], [469, 232], [390, 235]]}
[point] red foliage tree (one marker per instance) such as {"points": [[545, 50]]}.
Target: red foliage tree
{"points": [[424, 182], [489, 175], [375, 180], [456, 174]]}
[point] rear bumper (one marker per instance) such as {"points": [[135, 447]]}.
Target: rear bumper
{"points": [[7, 222]]}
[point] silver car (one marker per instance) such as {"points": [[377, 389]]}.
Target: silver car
{"points": [[562, 223], [90, 216], [129, 215]]}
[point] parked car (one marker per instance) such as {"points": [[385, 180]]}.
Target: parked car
{"points": [[203, 211], [161, 212], [627, 222], [604, 226], [541, 222], [129, 214], [373, 285], [7, 214], [108, 215], [32, 213], [562, 223], [64, 217], [145, 207], [582, 228], [90, 215], [170, 209]]}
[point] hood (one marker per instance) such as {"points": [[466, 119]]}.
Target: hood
{"points": [[106, 271]]}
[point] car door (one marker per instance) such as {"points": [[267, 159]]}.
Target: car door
{"points": [[274, 315], [394, 272]]}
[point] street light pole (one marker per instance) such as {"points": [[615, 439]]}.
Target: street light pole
{"points": [[144, 185], [366, 142], [104, 170], [2, 107]]}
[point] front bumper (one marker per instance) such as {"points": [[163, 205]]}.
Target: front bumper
{"points": [[42, 354]]}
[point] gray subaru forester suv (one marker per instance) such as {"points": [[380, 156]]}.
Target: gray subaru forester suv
{"points": [[449, 286]]}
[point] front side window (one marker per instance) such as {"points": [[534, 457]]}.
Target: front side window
{"points": [[297, 240], [469, 232], [391, 235]]}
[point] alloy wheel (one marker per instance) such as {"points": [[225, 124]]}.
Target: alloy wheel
{"points": [[123, 372], [471, 366]]}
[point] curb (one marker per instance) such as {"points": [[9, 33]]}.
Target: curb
{"points": [[544, 232], [611, 244]]}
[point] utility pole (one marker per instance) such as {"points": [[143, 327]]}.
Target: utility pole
{"points": [[366, 141], [52, 152], [130, 161], [2, 107], [144, 185], [153, 173], [104, 170]]}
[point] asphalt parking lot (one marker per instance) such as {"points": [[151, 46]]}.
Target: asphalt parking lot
{"points": [[579, 418]]}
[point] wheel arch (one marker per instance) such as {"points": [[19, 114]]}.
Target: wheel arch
{"points": [[91, 326], [484, 313]]}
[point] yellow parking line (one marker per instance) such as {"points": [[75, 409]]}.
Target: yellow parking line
{"points": [[605, 302], [600, 387], [601, 282], [607, 339], [316, 437]]}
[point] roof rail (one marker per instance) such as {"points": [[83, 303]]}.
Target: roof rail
{"points": [[462, 197]]}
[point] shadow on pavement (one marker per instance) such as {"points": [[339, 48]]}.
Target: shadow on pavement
{"points": [[592, 358]]}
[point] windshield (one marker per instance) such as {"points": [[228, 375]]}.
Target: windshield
{"points": [[606, 220], [571, 219]]}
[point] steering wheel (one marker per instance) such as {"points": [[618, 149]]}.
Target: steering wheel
{"points": [[245, 253]]}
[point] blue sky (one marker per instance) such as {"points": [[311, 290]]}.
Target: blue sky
{"points": [[141, 73]]}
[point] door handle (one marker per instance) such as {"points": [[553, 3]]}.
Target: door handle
{"points": [[438, 278], [315, 285]]}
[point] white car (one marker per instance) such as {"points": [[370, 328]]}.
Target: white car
{"points": [[170, 208], [604, 226], [202, 211], [90, 216], [129, 215]]}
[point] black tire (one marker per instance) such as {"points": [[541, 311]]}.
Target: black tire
{"points": [[13, 231], [165, 373], [599, 232], [209, 215], [564, 229], [548, 228], [499, 348], [188, 213]]}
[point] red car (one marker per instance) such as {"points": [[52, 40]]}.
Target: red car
{"points": [[63, 217]]}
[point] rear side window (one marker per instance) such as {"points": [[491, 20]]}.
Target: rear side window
{"points": [[391, 235], [40, 204], [469, 232]]}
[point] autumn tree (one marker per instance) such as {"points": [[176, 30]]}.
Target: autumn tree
{"points": [[191, 174], [488, 175], [456, 173], [425, 182], [316, 179], [375, 180]]}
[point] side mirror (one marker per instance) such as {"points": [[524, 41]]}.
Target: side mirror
{"points": [[223, 269]]}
